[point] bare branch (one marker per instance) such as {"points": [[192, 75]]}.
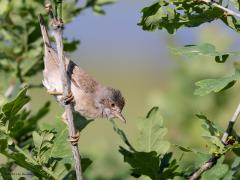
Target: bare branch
{"points": [[57, 25], [57, 30], [226, 10], [213, 160], [231, 123]]}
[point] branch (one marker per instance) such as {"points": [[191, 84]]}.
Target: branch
{"points": [[231, 123], [213, 160], [226, 10], [8, 93], [57, 25]]}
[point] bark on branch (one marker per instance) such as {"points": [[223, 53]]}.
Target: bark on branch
{"points": [[226, 10], [57, 26], [57, 30], [213, 160]]}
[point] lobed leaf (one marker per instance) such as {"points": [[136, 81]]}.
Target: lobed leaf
{"points": [[172, 15], [122, 136], [175, 14], [152, 132], [216, 85], [150, 158], [204, 50]]}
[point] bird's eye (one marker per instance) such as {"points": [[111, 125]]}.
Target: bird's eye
{"points": [[113, 105]]}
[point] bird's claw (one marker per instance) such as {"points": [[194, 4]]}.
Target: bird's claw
{"points": [[74, 139], [68, 99]]}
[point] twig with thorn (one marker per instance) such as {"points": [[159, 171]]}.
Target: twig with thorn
{"points": [[213, 160]]}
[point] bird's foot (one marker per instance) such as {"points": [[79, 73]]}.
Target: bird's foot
{"points": [[68, 99], [74, 139]]}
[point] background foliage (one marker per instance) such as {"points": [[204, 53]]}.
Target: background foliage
{"points": [[165, 141]]}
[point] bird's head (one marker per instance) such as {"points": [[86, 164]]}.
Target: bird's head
{"points": [[112, 103]]}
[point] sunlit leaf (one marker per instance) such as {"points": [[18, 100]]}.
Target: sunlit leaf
{"points": [[152, 132], [143, 163], [216, 85], [204, 50], [122, 136], [172, 15]]}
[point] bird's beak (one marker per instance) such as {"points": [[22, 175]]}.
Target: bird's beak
{"points": [[120, 116]]}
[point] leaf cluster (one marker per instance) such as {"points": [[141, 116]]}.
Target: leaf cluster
{"points": [[150, 157], [174, 14], [21, 51], [39, 151]]}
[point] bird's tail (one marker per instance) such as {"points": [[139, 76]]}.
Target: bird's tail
{"points": [[44, 31]]}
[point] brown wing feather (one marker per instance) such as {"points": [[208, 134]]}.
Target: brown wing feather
{"points": [[80, 78]]}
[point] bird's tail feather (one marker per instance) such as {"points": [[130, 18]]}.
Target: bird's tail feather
{"points": [[44, 31]]}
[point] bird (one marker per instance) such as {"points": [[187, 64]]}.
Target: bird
{"points": [[88, 97]]}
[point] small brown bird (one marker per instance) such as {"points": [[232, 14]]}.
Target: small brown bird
{"points": [[91, 99]]}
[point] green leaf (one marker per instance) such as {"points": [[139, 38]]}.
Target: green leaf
{"points": [[24, 160], [216, 172], [12, 108], [150, 158], [71, 46], [172, 15], [61, 129], [188, 149], [61, 148], [5, 173], [143, 163], [175, 14], [81, 122], [216, 85], [28, 123], [3, 141], [97, 5], [204, 50], [4, 7], [150, 164], [213, 135], [152, 132], [45, 160], [209, 126], [122, 136], [234, 169], [43, 141]]}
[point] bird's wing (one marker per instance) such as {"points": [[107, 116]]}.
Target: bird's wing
{"points": [[80, 78]]}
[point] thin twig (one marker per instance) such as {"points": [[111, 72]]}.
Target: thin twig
{"points": [[9, 92], [231, 123], [57, 24], [66, 90], [226, 10], [213, 160]]}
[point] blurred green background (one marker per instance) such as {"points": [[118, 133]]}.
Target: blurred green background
{"points": [[120, 54]]}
